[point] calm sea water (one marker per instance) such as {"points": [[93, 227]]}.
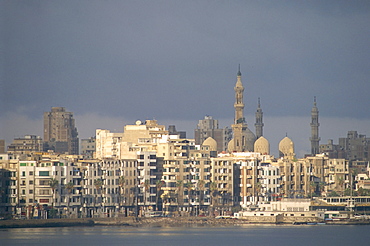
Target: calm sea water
{"points": [[239, 235]]}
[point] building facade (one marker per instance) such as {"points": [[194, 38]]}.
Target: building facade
{"points": [[60, 132], [25, 145], [209, 127]]}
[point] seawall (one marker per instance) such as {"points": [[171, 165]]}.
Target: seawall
{"points": [[163, 222]]}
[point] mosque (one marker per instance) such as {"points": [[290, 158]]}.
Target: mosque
{"points": [[244, 140]]}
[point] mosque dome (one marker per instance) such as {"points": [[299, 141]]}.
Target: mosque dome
{"points": [[211, 143], [262, 146], [250, 139], [286, 147], [231, 146]]}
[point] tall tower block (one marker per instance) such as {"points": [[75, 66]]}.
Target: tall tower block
{"points": [[60, 132], [315, 129]]}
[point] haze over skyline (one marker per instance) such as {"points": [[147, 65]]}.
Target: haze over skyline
{"points": [[112, 62]]}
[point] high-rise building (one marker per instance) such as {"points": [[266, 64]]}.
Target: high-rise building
{"points": [[2, 146], [315, 149], [208, 127], [60, 133], [355, 147]]}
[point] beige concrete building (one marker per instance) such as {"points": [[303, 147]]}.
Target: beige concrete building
{"points": [[186, 176], [88, 147], [2, 146], [26, 145], [8, 186], [60, 132], [337, 175], [108, 144], [209, 128]]}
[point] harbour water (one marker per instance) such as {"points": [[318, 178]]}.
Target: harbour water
{"points": [[237, 235]]}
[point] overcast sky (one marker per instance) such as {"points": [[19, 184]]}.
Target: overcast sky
{"points": [[112, 62]]}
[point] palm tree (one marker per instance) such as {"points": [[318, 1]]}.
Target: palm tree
{"points": [[158, 185], [188, 186], [53, 183], [69, 187], [121, 183], [179, 185], [98, 183], [146, 189], [258, 189], [201, 184], [214, 193], [341, 183], [312, 187], [321, 187], [165, 198]]}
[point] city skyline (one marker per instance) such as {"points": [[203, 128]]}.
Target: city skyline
{"points": [[113, 63]]}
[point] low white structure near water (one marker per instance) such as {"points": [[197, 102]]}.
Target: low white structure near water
{"points": [[286, 208]]}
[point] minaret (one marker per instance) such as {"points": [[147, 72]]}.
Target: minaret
{"points": [[259, 123], [239, 125], [239, 105], [314, 129]]}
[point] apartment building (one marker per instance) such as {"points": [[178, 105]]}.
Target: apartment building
{"points": [[9, 189], [88, 147], [60, 132], [26, 145]]}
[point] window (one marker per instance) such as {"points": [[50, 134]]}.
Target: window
{"points": [[31, 182], [44, 182], [31, 173], [23, 173], [43, 173], [44, 192], [30, 191]]}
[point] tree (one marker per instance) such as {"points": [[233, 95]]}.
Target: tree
{"points": [[146, 189], [333, 194], [201, 184], [98, 183], [179, 186], [188, 186], [165, 198], [321, 187], [121, 183], [340, 181], [214, 193], [69, 187], [53, 183], [158, 185], [258, 189], [312, 188]]}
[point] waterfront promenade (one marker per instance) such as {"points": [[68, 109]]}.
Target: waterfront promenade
{"points": [[159, 222]]}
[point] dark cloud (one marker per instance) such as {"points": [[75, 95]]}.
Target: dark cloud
{"points": [[178, 59]]}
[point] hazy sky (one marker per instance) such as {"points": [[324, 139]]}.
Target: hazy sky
{"points": [[112, 62]]}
